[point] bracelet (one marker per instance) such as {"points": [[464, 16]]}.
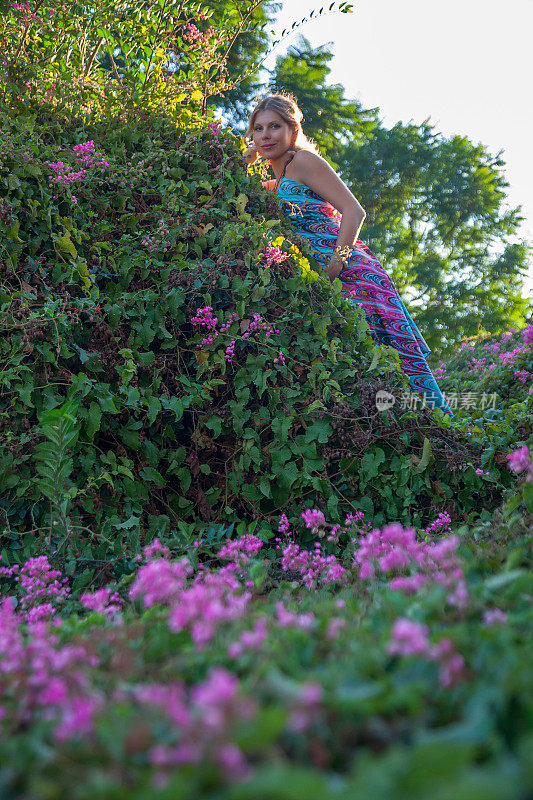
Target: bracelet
{"points": [[341, 253]]}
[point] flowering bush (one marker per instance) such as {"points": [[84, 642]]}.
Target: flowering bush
{"points": [[197, 366], [487, 367], [500, 365], [200, 680]]}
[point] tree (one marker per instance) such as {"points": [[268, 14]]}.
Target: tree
{"points": [[329, 118], [243, 65]]}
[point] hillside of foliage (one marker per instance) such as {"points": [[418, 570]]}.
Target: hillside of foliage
{"points": [[173, 356], [224, 573]]}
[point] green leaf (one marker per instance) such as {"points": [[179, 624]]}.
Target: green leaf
{"points": [[154, 407], [94, 419], [264, 487]]}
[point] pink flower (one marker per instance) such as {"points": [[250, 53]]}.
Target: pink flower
{"points": [[528, 335], [77, 717], [520, 459], [41, 585], [204, 718], [43, 611], [249, 640], [395, 558], [290, 619], [335, 625], [233, 762], [451, 670], [191, 33], [54, 693], [394, 548], [409, 584], [102, 601], [154, 548], [411, 638], [274, 255], [313, 518], [522, 375], [219, 688], [240, 550], [353, 518], [408, 638], [443, 521], [494, 616], [283, 524], [160, 581], [280, 358], [312, 693], [313, 567]]}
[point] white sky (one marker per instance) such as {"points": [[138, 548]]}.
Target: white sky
{"points": [[466, 65]]}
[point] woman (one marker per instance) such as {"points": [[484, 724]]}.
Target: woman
{"points": [[322, 208]]}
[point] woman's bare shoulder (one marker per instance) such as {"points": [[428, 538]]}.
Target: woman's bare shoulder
{"points": [[305, 161]]}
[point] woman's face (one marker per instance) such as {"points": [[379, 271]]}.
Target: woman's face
{"points": [[272, 135]]}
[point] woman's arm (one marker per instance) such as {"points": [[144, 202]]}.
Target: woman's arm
{"points": [[315, 172]]}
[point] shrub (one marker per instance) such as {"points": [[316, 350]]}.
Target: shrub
{"points": [[163, 365], [204, 684]]}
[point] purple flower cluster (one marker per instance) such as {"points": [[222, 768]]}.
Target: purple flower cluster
{"points": [[63, 174], [508, 358], [198, 603], [239, 551], [314, 567], [442, 523], [249, 640], [50, 680], [411, 638], [284, 526], [394, 549], [495, 357], [523, 375], [212, 598], [42, 588], [191, 34], [102, 601], [24, 8], [313, 519], [258, 324], [290, 619], [274, 255], [206, 318], [520, 460], [494, 616], [203, 718]]}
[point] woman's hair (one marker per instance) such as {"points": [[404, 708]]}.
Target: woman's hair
{"points": [[286, 106]]}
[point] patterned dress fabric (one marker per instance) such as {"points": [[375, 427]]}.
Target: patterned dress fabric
{"points": [[365, 282]]}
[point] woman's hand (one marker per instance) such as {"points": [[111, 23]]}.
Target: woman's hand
{"points": [[334, 267], [251, 154]]}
